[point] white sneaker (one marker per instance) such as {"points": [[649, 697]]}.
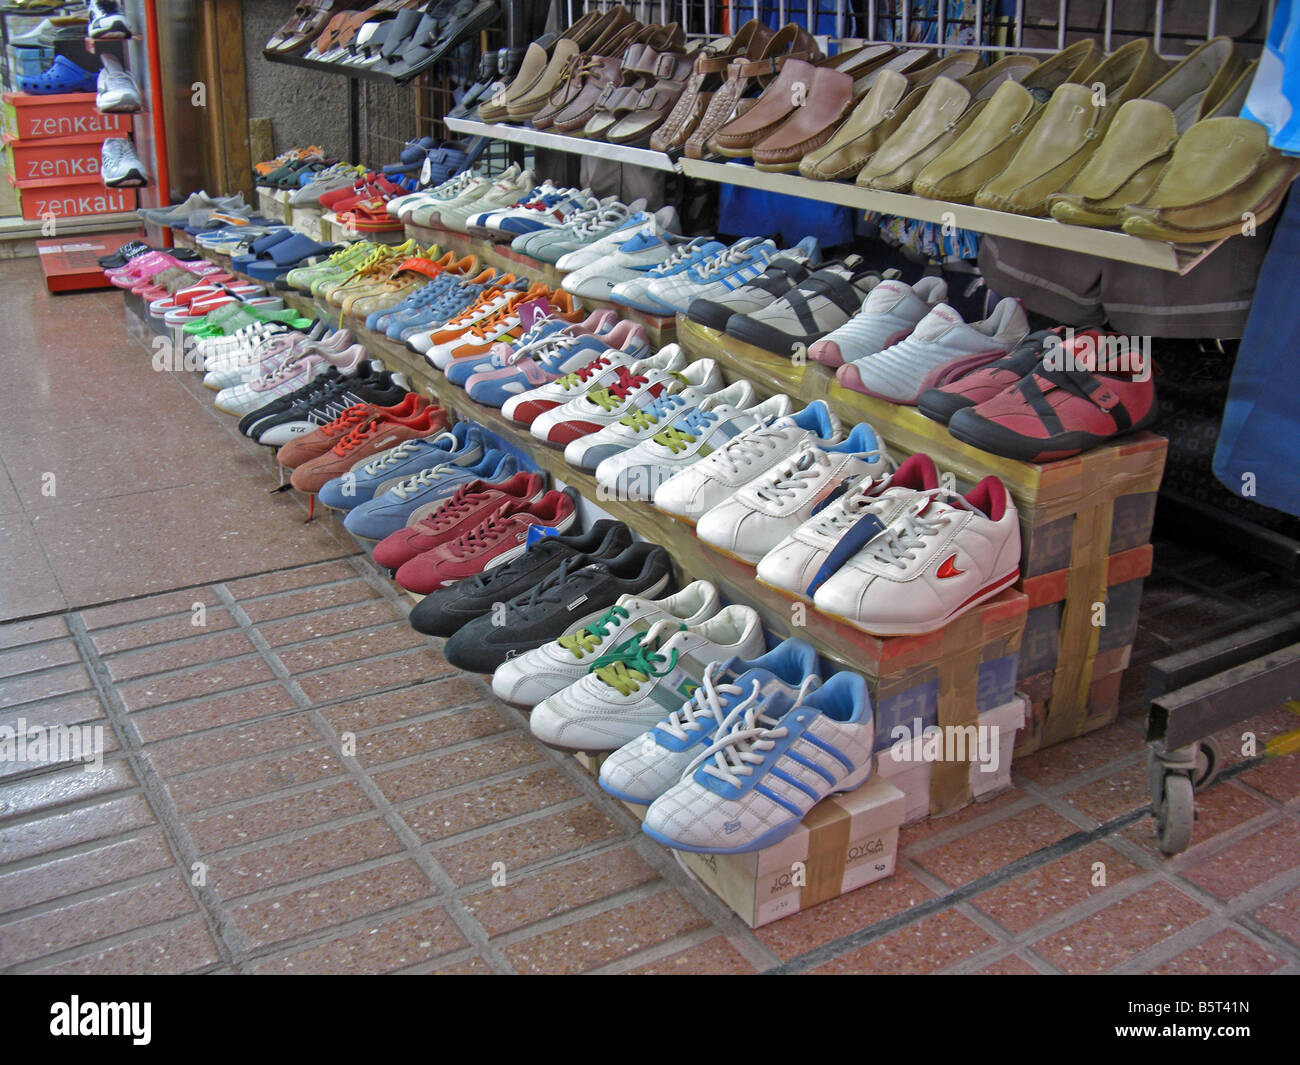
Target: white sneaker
{"points": [[769, 508], [937, 559], [422, 343], [641, 252], [446, 193], [799, 564], [635, 386], [691, 491], [644, 768], [890, 311], [536, 675], [939, 350], [728, 270], [662, 221], [115, 90], [601, 372], [502, 193], [643, 680], [699, 380], [719, 417], [754, 784], [245, 398], [216, 349]]}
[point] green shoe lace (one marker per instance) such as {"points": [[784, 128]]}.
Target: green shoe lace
{"points": [[585, 641], [632, 663]]}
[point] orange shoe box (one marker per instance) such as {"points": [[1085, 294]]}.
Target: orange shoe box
{"points": [[29, 117], [54, 197], [74, 160]]}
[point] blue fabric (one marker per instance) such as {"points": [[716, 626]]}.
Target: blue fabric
{"points": [[1255, 455], [793, 217], [1274, 99]]}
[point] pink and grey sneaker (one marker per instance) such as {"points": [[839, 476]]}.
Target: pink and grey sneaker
{"points": [[1054, 413], [975, 387], [940, 349]]}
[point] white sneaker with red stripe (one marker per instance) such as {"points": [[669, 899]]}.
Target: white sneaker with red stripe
{"points": [[939, 557]]}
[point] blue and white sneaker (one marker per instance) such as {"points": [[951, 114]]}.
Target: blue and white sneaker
{"points": [[731, 269], [636, 292], [412, 499], [765, 769], [677, 400], [543, 325], [664, 220], [641, 252], [586, 227], [534, 218], [464, 445], [646, 767]]}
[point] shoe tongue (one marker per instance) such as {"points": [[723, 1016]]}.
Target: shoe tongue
{"points": [[935, 324], [886, 296]]}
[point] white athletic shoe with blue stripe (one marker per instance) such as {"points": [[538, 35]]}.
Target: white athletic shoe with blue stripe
{"points": [[724, 272], [773, 436], [753, 786], [644, 768], [642, 680], [637, 472]]}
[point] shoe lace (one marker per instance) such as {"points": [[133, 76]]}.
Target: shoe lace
{"points": [[395, 454], [601, 221], [481, 536], [585, 641], [355, 437], [481, 306], [704, 708], [680, 255], [676, 438], [457, 506], [548, 348], [426, 478], [741, 745], [791, 478], [744, 450], [346, 421], [648, 417], [580, 376], [611, 398], [725, 262], [908, 533], [637, 660], [496, 323]]}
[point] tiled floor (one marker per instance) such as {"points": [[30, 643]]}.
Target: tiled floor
{"points": [[295, 782]]}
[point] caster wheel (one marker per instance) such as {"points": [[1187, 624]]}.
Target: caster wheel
{"points": [[1209, 760], [1175, 814]]}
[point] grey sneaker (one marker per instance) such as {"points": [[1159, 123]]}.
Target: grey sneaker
{"points": [[334, 177], [116, 91], [119, 166]]}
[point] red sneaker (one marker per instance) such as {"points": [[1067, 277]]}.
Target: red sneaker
{"points": [[1055, 413], [469, 506], [377, 432], [314, 444], [501, 538]]}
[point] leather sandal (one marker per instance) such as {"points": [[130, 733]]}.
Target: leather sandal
{"points": [[710, 66], [1141, 139], [892, 97], [650, 81], [945, 111], [993, 136], [1070, 130], [603, 73]]}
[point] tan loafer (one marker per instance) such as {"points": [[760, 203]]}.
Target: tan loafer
{"points": [[1070, 130], [1142, 136], [944, 113]]}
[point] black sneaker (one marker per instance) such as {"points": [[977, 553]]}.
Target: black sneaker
{"points": [[444, 612], [578, 591], [366, 385]]}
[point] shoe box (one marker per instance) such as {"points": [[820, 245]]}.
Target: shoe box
{"points": [[908, 762], [52, 146], [1085, 533], [274, 204]]}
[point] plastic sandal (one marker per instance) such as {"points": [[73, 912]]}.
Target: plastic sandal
{"points": [[63, 75]]}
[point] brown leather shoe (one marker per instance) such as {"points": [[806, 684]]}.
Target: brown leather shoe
{"points": [[709, 68], [601, 76], [611, 43], [791, 42], [537, 62], [984, 150], [891, 98], [1141, 138], [944, 113], [826, 101], [655, 102], [1070, 129]]}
